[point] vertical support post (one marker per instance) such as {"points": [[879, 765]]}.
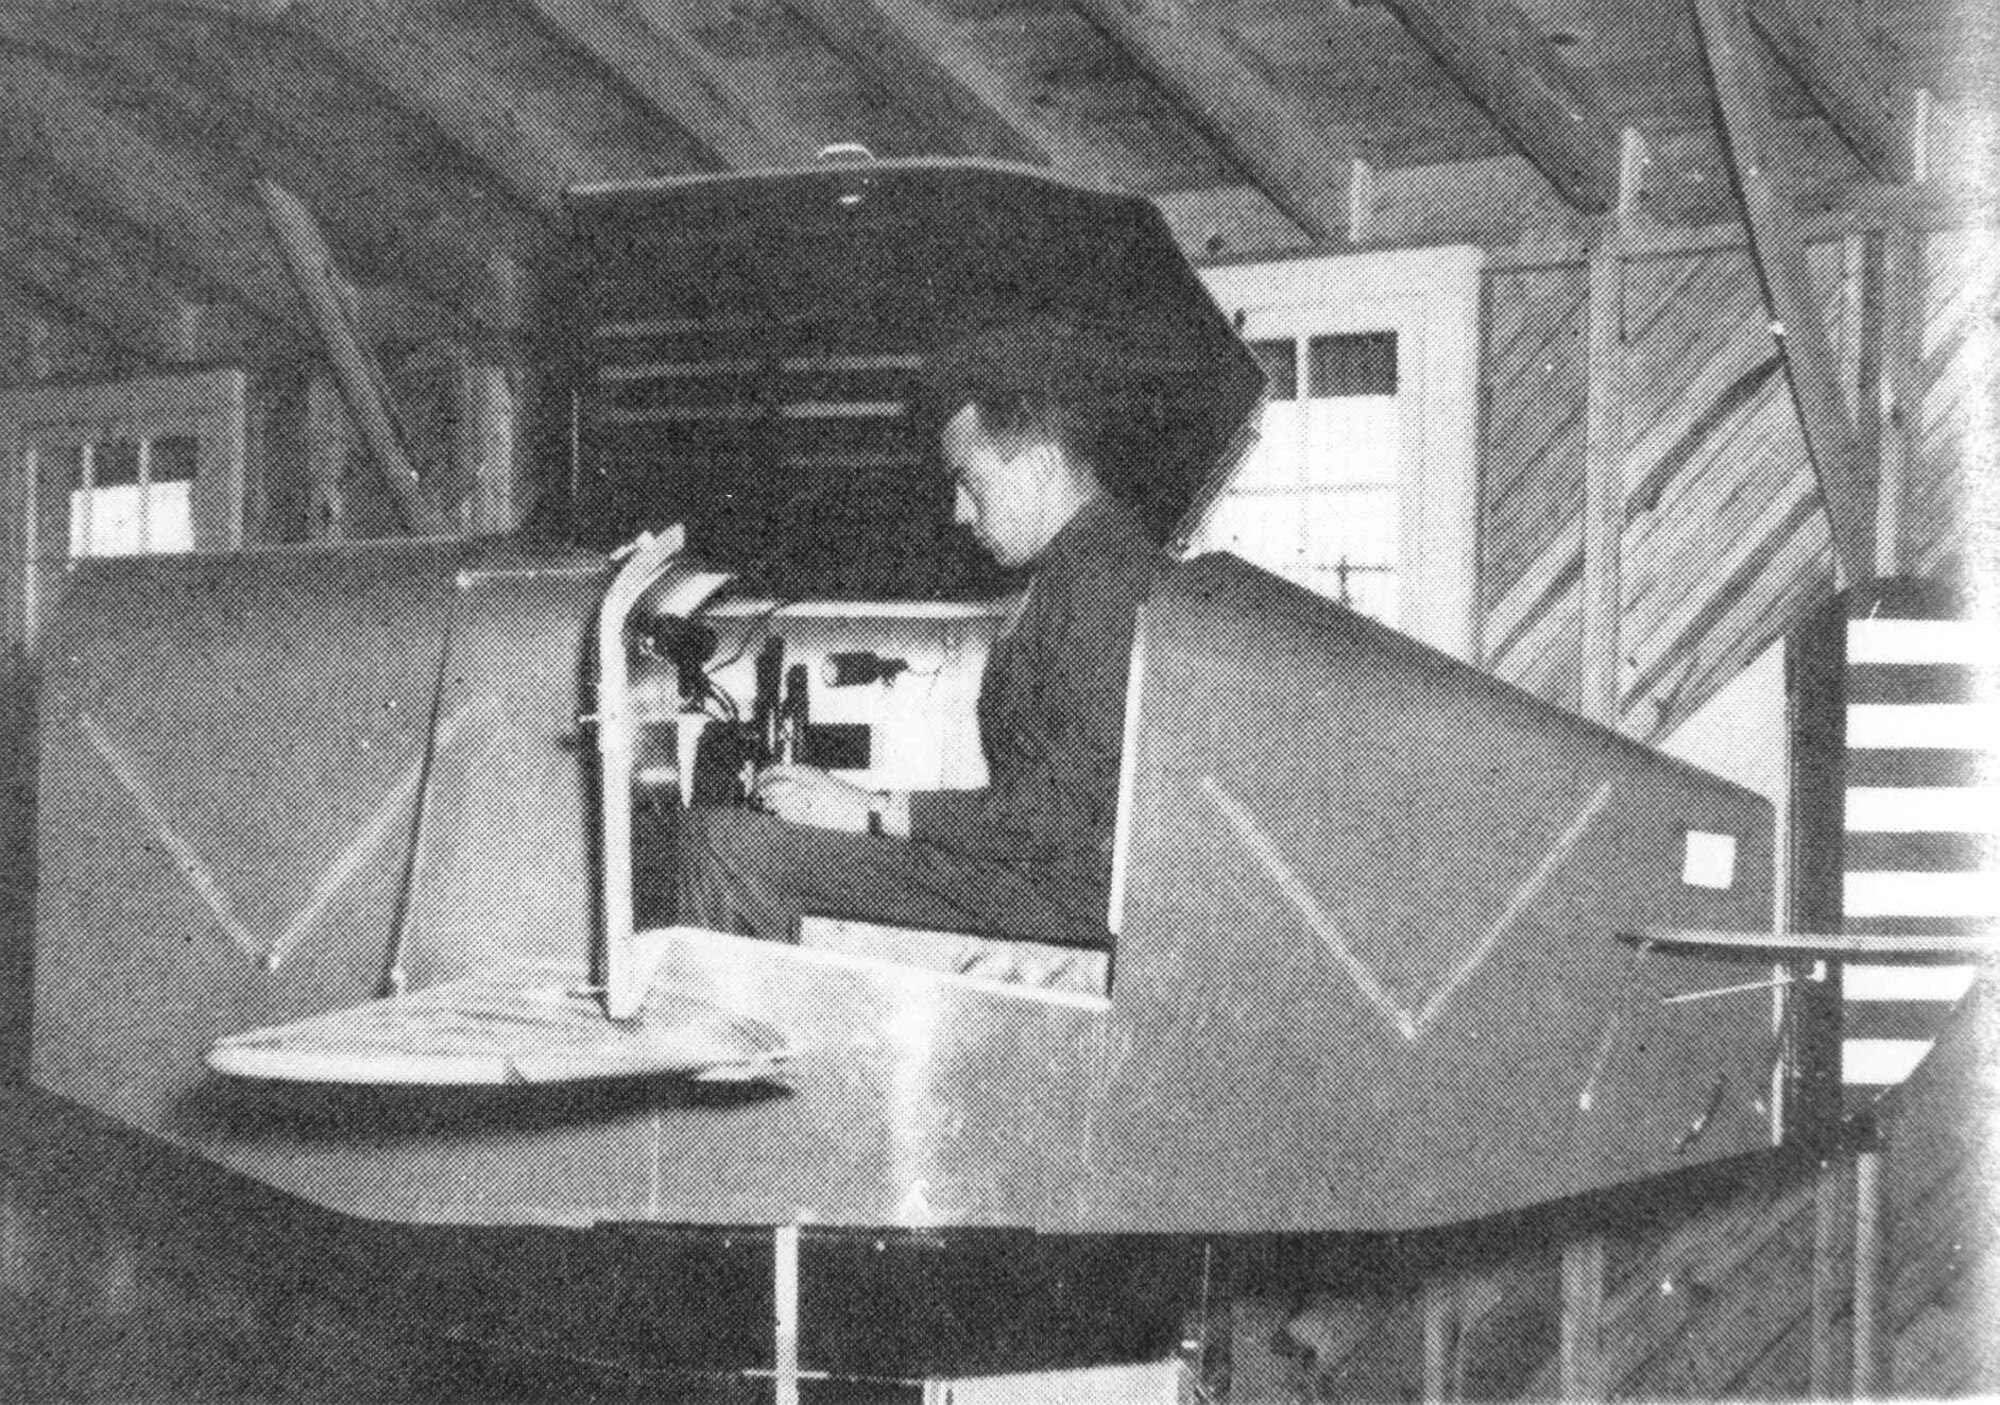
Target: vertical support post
{"points": [[1360, 201], [1860, 328], [328, 443], [1604, 449], [1826, 1368], [1902, 290], [1580, 1346], [1603, 608], [120, 1281], [486, 445], [785, 1315], [38, 347], [16, 1274], [1440, 1301], [1816, 723], [1870, 1239], [1604, 487], [180, 331], [1923, 126]]}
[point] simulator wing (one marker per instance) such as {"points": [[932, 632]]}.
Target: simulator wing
{"points": [[525, 1026]]}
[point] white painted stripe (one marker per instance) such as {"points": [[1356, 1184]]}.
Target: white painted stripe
{"points": [[1895, 893], [1879, 1063], [1918, 809], [1924, 726], [1973, 642], [1943, 984]]}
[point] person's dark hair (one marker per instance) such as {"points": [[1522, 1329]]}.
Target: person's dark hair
{"points": [[1015, 420]]}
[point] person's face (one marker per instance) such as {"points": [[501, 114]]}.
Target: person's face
{"points": [[1008, 502]]}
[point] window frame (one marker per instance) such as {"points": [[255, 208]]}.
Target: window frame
{"points": [[1430, 298], [211, 407]]}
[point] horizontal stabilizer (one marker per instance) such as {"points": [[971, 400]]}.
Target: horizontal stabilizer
{"points": [[1778, 945], [507, 1029]]}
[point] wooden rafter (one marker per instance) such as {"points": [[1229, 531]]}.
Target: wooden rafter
{"points": [[651, 47], [187, 96], [1301, 167], [1840, 55], [1512, 71], [241, 9], [1778, 252], [445, 231], [909, 45], [74, 265], [907, 48], [419, 60], [213, 233], [139, 182]]}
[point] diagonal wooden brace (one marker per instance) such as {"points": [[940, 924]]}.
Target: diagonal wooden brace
{"points": [[1777, 249]]}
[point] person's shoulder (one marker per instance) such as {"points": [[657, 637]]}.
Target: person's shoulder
{"points": [[1113, 533], [1110, 566]]}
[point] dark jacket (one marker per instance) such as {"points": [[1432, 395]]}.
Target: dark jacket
{"points": [[1052, 707]]}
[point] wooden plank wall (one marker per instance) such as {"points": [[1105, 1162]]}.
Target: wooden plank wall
{"points": [[1725, 542], [1958, 442]]}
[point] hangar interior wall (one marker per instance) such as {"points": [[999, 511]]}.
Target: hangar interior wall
{"points": [[1724, 543]]}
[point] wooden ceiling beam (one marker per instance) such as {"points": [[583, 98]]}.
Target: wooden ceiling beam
{"points": [[913, 48], [1778, 253], [908, 49], [174, 70], [1843, 59], [652, 49], [422, 66], [219, 236], [239, 9], [70, 264], [445, 231], [41, 337], [1300, 166], [1510, 69]]}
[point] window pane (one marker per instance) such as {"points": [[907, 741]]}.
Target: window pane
{"points": [[127, 520], [173, 459], [117, 462], [1352, 363], [1357, 526], [1357, 439], [1280, 360], [1263, 529]]}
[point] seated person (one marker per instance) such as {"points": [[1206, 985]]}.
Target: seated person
{"points": [[1028, 856]]}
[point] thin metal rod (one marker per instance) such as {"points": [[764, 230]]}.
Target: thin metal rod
{"points": [[785, 1314]]}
